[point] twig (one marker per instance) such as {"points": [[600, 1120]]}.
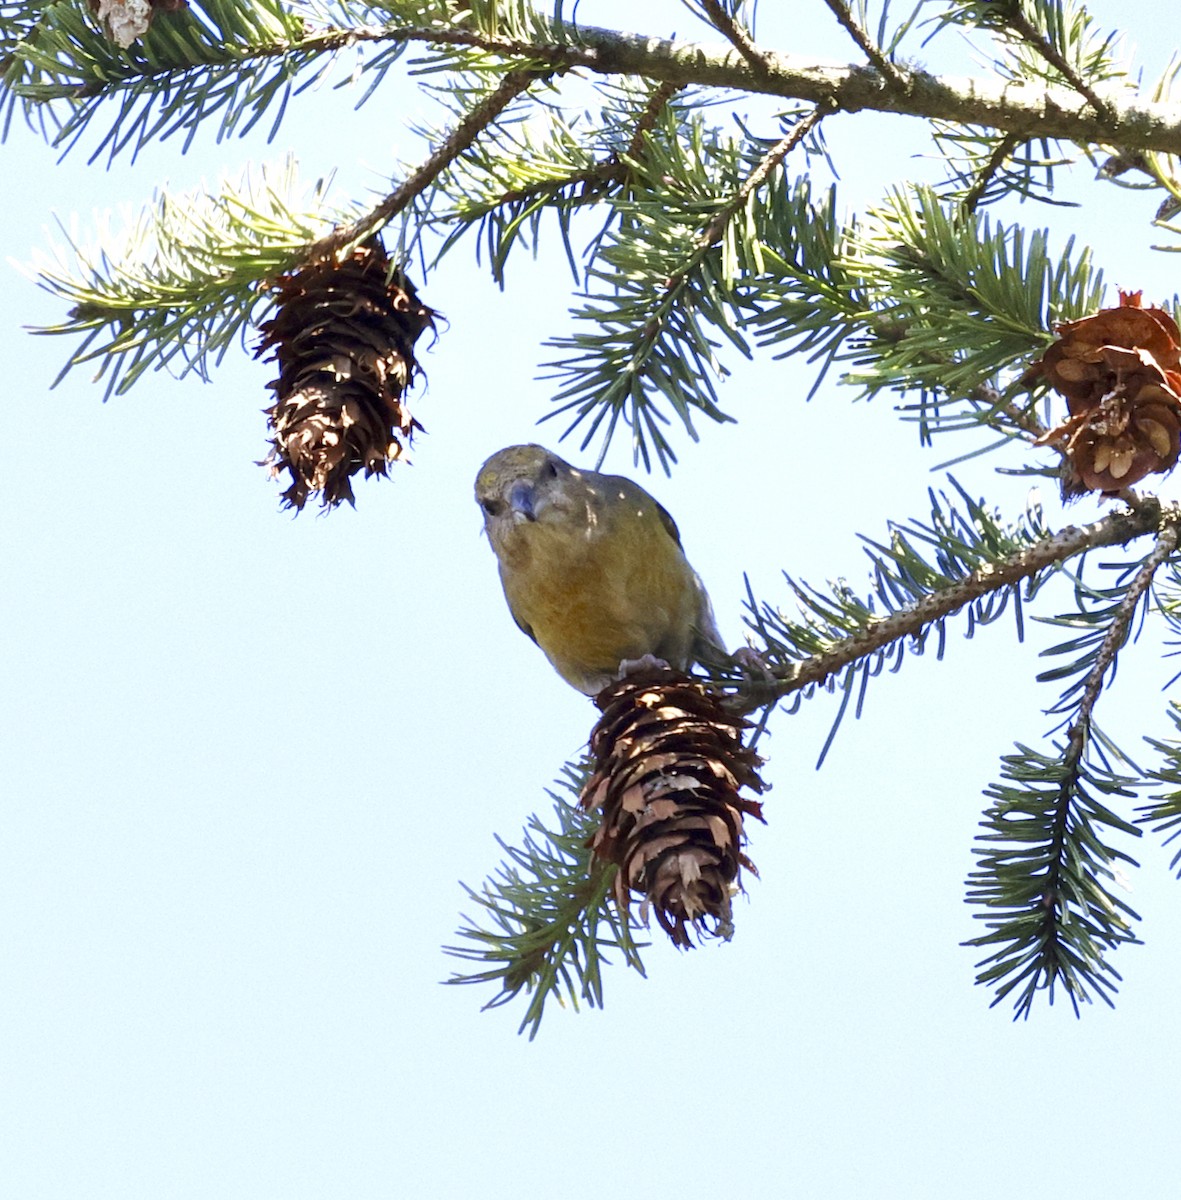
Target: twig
{"points": [[1116, 528], [986, 394], [594, 180], [713, 231], [612, 169], [742, 41], [869, 48], [1166, 543], [456, 142], [717, 225], [1020, 23], [1076, 741], [647, 122], [996, 160], [666, 298]]}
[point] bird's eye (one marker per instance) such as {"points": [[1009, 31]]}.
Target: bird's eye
{"points": [[492, 506], [549, 470]]}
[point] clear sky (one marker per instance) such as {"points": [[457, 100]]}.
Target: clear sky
{"points": [[247, 758]]}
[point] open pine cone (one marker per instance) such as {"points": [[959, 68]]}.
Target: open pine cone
{"points": [[668, 765], [1120, 371], [343, 335]]}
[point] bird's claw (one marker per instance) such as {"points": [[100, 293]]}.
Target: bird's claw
{"points": [[753, 664], [646, 662]]}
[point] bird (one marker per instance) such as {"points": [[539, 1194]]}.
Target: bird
{"points": [[593, 569]]}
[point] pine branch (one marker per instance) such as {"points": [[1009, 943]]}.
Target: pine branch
{"points": [[1115, 637], [459, 140], [856, 633], [1027, 111], [996, 160], [183, 280], [547, 918], [919, 296], [1050, 915], [233, 60], [865, 43], [1050, 112], [986, 396], [1041, 868], [505, 190], [666, 273], [959, 302], [988, 404], [1164, 813], [1017, 20], [984, 167], [726, 24], [712, 233]]}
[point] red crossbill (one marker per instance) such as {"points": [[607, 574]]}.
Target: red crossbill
{"points": [[592, 568]]}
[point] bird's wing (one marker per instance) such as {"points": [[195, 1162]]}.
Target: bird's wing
{"points": [[523, 626], [667, 521], [707, 639]]}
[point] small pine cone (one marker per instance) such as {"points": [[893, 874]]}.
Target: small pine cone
{"points": [[668, 765], [1120, 371], [343, 336]]}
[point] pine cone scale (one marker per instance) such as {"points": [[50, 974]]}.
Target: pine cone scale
{"points": [[1120, 372]]}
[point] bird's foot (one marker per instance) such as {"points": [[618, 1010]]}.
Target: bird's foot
{"points": [[646, 662], [753, 664]]}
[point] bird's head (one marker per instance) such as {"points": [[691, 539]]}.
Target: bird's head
{"points": [[521, 486]]}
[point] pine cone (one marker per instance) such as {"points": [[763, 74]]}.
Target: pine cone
{"points": [[343, 336], [669, 762], [1120, 371]]}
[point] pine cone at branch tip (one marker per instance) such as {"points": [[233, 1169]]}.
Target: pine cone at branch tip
{"points": [[669, 763], [1120, 372], [343, 335]]}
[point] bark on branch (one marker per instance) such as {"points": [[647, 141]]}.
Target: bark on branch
{"points": [[1027, 110]]}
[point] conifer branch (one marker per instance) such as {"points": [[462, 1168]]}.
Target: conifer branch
{"points": [[917, 295], [996, 160], [589, 183], [546, 919], [865, 43], [983, 395], [666, 270], [182, 280], [878, 633], [1115, 637], [460, 138], [1021, 108], [760, 173], [1021, 25], [1022, 418], [1044, 860], [647, 121], [609, 171], [725, 23]]}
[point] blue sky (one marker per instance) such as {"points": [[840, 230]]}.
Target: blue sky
{"points": [[246, 760]]}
